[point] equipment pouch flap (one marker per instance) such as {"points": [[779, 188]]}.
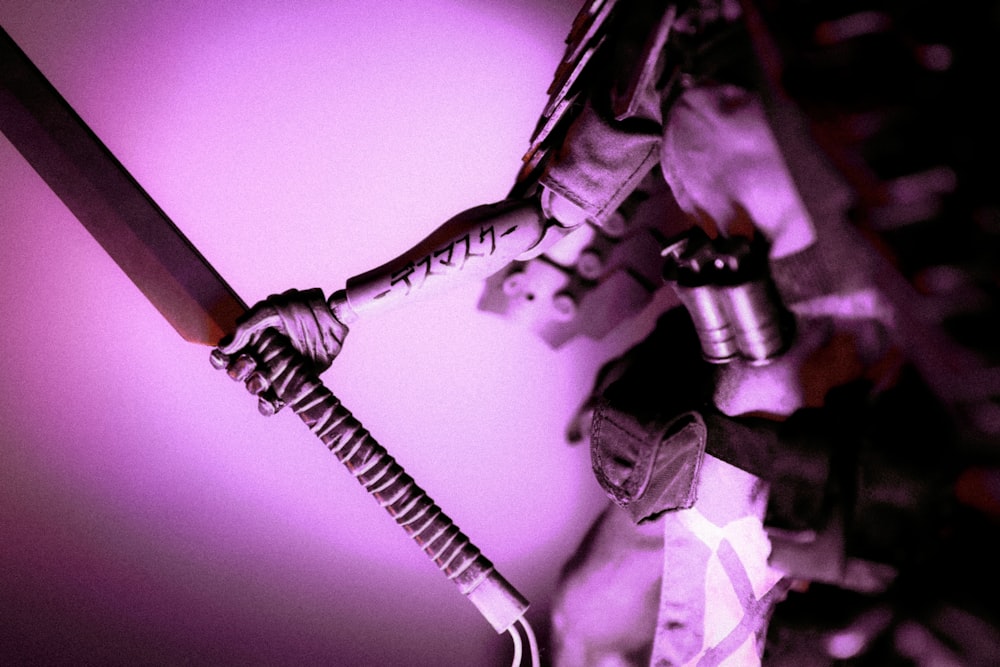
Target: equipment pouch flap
{"points": [[647, 469]]}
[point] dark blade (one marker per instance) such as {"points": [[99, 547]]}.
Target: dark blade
{"points": [[111, 204]]}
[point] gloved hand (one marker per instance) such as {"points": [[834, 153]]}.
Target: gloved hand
{"points": [[304, 317]]}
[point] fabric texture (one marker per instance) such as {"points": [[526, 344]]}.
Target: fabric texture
{"points": [[718, 590], [647, 473], [601, 162]]}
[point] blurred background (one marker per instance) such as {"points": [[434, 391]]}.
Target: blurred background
{"points": [[148, 514]]}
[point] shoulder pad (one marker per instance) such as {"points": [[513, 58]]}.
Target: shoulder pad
{"points": [[585, 38], [640, 36]]}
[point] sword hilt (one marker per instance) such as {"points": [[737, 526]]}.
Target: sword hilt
{"points": [[178, 280], [293, 381]]}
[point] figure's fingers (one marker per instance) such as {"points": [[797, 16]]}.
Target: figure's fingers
{"points": [[218, 359], [257, 383], [249, 327], [919, 644], [241, 367], [855, 639], [268, 404]]}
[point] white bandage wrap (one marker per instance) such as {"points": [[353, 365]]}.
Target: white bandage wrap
{"points": [[718, 589]]}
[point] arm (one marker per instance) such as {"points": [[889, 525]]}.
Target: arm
{"points": [[470, 246]]}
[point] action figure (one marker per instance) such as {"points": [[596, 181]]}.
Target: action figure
{"points": [[744, 442]]}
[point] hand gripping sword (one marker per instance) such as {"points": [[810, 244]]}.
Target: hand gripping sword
{"points": [[199, 304]]}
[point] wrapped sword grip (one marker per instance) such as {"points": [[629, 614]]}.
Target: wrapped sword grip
{"points": [[381, 476]]}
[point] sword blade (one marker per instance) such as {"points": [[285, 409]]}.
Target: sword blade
{"points": [[114, 208]]}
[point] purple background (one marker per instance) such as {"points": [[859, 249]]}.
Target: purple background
{"points": [[147, 513]]}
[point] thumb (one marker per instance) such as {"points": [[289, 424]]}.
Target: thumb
{"points": [[247, 329]]}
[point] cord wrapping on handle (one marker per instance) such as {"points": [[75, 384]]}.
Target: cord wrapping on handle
{"points": [[373, 467]]}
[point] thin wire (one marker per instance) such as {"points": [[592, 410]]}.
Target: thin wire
{"points": [[517, 645], [536, 660]]}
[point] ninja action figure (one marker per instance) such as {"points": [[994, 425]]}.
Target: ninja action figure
{"points": [[781, 436]]}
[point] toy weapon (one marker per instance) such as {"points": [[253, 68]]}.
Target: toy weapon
{"points": [[201, 306]]}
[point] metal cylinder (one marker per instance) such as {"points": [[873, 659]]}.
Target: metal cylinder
{"points": [[708, 310], [757, 320], [727, 290]]}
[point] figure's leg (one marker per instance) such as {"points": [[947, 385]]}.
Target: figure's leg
{"points": [[604, 614]]}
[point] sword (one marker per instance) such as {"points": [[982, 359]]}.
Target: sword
{"points": [[202, 307]]}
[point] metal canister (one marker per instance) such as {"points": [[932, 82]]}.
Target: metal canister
{"points": [[727, 290], [708, 309], [757, 319]]}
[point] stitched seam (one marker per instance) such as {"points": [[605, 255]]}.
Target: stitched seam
{"points": [[654, 148]]}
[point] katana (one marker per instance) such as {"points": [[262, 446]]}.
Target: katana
{"points": [[201, 306]]}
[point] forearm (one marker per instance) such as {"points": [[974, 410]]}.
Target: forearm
{"points": [[473, 245]]}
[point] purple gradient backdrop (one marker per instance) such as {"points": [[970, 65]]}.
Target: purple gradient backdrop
{"points": [[147, 513]]}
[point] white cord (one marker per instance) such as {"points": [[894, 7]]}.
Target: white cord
{"points": [[517, 645], [536, 660]]}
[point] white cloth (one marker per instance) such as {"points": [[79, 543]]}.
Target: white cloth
{"points": [[718, 590]]}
